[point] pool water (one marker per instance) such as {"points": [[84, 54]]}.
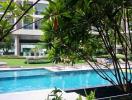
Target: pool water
{"points": [[44, 79]]}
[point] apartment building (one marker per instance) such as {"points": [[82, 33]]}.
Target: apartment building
{"points": [[25, 37]]}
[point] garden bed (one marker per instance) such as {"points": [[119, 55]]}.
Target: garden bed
{"points": [[35, 60], [105, 93]]}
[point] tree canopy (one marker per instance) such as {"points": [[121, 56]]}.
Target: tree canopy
{"points": [[78, 28], [11, 14], [11, 10]]}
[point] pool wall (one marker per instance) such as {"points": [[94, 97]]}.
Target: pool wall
{"points": [[101, 92]]}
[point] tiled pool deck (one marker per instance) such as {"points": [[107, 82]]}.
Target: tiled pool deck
{"points": [[55, 67], [36, 95]]}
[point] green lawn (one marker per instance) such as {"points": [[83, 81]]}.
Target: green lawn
{"points": [[14, 62], [21, 62]]}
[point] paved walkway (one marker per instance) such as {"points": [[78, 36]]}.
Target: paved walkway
{"points": [[68, 68], [36, 95], [54, 67]]}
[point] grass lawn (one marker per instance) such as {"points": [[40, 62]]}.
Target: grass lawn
{"points": [[14, 62], [21, 62]]}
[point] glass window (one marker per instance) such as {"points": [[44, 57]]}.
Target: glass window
{"points": [[27, 22], [39, 8], [37, 24]]}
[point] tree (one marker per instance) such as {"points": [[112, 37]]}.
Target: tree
{"points": [[6, 44], [61, 31], [67, 30], [13, 10]]}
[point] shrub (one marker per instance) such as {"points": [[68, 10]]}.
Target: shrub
{"points": [[119, 56], [36, 60], [55, 95], [11, 57]]}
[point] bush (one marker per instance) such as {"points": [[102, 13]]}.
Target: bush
{"points": [[130, 57], [90, 96], [11, 57], [119, 56], [36, 60], [104, 56]]}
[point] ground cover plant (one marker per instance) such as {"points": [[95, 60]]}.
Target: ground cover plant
{"points": [[57, 94]]}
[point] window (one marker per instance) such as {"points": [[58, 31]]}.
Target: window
{"points": [[39, 8], [38, 24], [27, 21]]}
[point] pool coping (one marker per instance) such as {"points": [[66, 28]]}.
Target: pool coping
{"points": [[55, 68]]}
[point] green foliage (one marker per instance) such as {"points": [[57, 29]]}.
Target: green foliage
{"points": [[104, 56], [12, 10], [5, 25], [67, 37], [55, 95], [120, 56], [6, 44], [20, 61], [37, 60], [79, 98], [11, 57], [88, 27], [4, 5], [16, 8], [91, 96]]}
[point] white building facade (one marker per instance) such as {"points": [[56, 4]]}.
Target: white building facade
{"points": [[26, 38]]}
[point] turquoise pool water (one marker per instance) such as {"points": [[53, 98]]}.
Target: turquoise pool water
{"points": [[25, 80]]}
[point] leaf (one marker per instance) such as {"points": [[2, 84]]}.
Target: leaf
{"points": [[66, 14]]}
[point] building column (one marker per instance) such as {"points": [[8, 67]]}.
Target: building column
{"points": [[17, 46]]}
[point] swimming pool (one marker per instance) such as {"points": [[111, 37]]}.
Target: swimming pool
{"points": [[26, 80]]}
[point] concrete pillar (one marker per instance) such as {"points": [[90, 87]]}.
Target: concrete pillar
{"points": [[17, 46]]}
